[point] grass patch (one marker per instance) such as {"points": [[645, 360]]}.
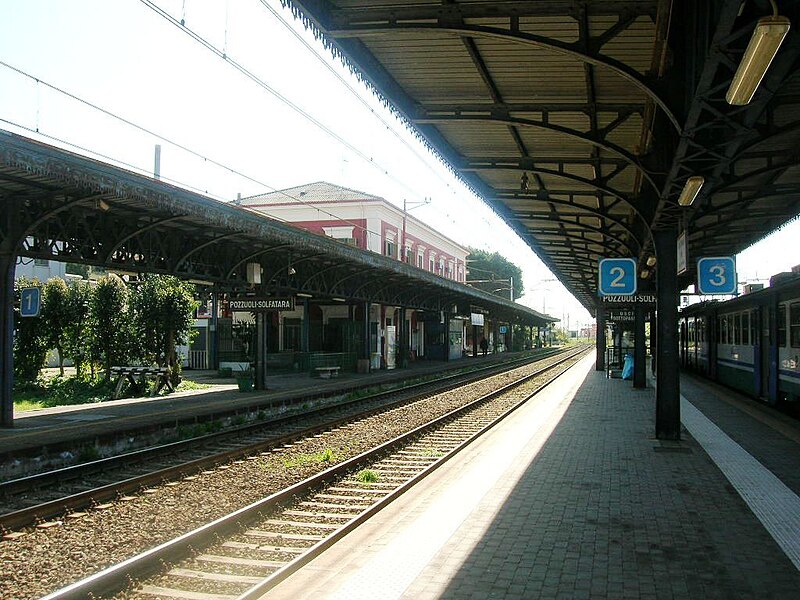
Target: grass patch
{"points": [[432, 452], [27, 404], [368, 476], [188, 384], [300, 460], [61, 391]]}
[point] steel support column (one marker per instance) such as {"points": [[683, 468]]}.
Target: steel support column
{"points": [[653, 341], [7, 267], [305, 329], [639, 349], [600, 340], [402, 358], [261, 351], [668, 408], [365, 335], [213, 358], [446, 316]]}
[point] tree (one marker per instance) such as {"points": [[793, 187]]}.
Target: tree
{"points": [[163, 308], [55, 316], [493, 273], [30, 343], [111, 334], [78, 335]]}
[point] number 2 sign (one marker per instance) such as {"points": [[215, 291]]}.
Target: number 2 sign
{"points": [[617, 277], [716, 275]]}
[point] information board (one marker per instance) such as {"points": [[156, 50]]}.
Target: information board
{"points": [[30, 301], [617, 276], [254, 304], [716, 275]]}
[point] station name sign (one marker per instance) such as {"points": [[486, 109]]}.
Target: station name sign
{"points": [[262, 304], [631, 299]]}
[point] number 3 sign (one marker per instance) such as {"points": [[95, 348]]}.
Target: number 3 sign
{"points": [[617, 277], [716, 275]]}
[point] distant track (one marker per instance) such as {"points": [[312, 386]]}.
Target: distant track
{"points": [[52, 494]]}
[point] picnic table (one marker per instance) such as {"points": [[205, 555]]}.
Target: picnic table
{"points": [[137, 378]]}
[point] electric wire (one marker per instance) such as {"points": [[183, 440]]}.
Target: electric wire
{"points": [[222, 54], [351, 89], [159, 137], [263, 84]]}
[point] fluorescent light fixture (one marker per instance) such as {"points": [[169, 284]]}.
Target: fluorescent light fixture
{"points": [[651, 261], [338, 299], [201, 282], [767, 38], [302, 295], [644, 274], [690, 190]]}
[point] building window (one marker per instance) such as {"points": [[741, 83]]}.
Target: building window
{"points": [[41, 262], [390, 248], [794, 324], [781, 325], [746, 328], [421, 260]]}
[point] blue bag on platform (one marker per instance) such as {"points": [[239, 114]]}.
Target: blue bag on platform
{"points": [[627, 367]]}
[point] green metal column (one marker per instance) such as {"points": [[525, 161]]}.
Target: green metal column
{"points": [[7, 267], [600, 340], [668, 408], [639, 350], [305, 328]]}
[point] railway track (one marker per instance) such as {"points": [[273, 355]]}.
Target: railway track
{"points": [[53, 494], [244, 553]]}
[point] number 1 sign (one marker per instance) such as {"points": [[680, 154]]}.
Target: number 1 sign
{"points": [[617, 277], [716, 275], [30, 302]]}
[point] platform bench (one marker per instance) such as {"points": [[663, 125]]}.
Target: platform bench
{"points": [[138, 376], [327, 372]]}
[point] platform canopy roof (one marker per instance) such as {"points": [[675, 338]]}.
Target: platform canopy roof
{"points": [[580, 121], [61, 206]]}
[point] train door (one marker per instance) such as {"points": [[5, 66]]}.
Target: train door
{"points": [[765, 347], [763, 350], [683, 343]]}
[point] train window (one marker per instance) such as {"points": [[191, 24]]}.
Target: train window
{"points": [[794, 324], [737, 329], [724, 330], [746, 328], [781, 325], [754, 337]]}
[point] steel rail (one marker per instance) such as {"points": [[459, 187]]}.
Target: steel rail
{"points": [[23, 517], [117, 577]]}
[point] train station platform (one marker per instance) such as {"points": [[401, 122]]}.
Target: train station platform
{"points": [[63, 426], [572, 497]]}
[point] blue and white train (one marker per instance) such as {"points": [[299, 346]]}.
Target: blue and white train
{"points": [[750, 343]]}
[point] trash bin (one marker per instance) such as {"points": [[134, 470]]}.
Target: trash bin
{"points": [[627, 367]]}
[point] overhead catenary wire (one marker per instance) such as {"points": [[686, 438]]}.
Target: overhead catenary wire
{"points": [[216, 163], [253, 77], [158, 136]]}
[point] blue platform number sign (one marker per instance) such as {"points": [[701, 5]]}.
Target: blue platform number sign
{"points": [[617, 277], [30, 301], [716, 275]]}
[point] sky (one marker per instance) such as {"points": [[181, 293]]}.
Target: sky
{"points": [[300, 117]]}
